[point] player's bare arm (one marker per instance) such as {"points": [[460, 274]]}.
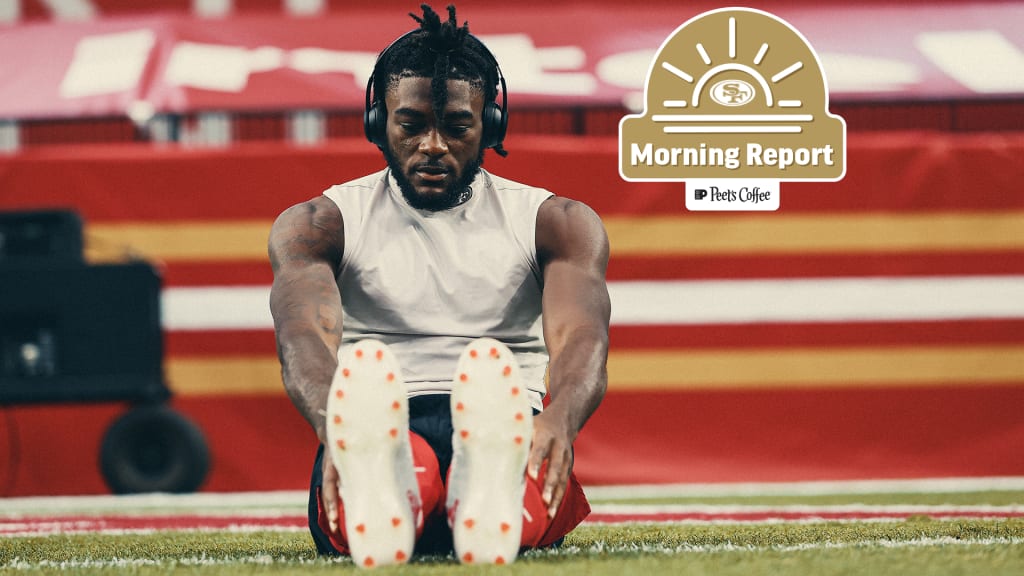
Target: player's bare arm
{"points": [[572, 248], [306, 244]]}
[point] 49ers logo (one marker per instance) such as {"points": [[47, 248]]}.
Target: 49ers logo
{"points": [[732, 92]]}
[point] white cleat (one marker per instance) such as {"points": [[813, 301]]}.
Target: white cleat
{"points": [[368, 435], [493, 427]]}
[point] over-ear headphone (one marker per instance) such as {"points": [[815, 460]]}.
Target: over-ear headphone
{"points": [[375, 114]]}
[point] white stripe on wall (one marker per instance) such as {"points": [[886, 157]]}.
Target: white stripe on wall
{"points": [[817, 300], [694, 302]]}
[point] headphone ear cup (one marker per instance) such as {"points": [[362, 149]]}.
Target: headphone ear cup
{"points": [[375, 124], [494, 125]]}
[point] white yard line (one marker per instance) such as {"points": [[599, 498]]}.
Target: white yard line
{"points": [[821, 488], [294, 501], [263, 503], [909, 509]]}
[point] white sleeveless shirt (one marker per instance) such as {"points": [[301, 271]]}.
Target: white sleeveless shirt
{"points": [[427, 283]]}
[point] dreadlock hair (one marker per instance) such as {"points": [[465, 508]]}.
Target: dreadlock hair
{"points": [[440, 51]]}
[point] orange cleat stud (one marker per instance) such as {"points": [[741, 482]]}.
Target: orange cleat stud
{"points": [[515, 391], [393, 432], [467, 557], [368, 562], [519, 439], [346, 372], [507, 371], [505, 527], [494, 353], [359, 353], [463, 377], [519, 416], [341, 444], [464, 433], [396, 405], [340, 394], [396, 521], [472, 353], [380, 354], [337, 419], [391, 376], [499, 560], [400, 556], [361, 528], [469, 523], [460, 406]]}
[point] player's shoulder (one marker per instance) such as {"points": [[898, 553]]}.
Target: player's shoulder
{"points": [[562, 211], [315, 220]]}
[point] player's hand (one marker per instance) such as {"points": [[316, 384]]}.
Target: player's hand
{"points": [[329, 493], [551, 443]]}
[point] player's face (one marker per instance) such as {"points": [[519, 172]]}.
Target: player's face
{"points": [[433, 159]]}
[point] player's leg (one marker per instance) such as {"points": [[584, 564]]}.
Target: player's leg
{"points": [[492, 421], [540, 530], [370, 444], [431, 490]]}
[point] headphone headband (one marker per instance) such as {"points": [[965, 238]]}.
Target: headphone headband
{"points": [[495, 118]]}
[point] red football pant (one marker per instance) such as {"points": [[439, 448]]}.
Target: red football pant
{"points": [[539, 529]]}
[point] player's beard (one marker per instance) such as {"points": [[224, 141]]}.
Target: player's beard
{"points": [[452, 196]]}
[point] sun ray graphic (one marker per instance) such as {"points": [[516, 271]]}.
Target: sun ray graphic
{"points": [[768, 122]]}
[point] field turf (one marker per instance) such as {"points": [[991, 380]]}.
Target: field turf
{"points": [[916, 544]]}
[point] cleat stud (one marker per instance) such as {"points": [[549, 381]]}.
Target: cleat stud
{"points": [[391, 376], [340, 444], [393, 432], [380, 354], [337, 419], [472, 353], [499, 560], [400, 556], [359, 353], [396, 521], [396, 405], [515, 390], [361, 528], [467, 557], [346, 372], [368, 562], [507, 371], [460, 406], [519, 439], [463, 377], [469, 523], [494, 353], [505, 527], [519, 416], [464, 433], [340, 394]]}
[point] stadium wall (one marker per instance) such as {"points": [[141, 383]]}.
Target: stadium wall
{"points": [[872, 328]]}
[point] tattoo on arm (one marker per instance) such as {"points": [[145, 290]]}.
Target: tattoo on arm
{"points": [[305, 252]]}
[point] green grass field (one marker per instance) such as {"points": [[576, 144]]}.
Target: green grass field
{"points": [[919, 545]]}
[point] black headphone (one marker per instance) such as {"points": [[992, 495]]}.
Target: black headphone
{"points": [[375, 114]]}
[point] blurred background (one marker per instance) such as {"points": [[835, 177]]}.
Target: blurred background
{"points": [[870, 329]]}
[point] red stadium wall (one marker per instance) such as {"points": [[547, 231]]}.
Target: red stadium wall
{"points": [[689, 401]]}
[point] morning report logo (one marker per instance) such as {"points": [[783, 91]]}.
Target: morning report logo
{"points": [[735, 103]]}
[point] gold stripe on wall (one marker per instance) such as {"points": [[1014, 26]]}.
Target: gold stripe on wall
{"points": [[629, 236], [188, 241], [201, 375], [816, 367], [687, 369], [766, 234]]}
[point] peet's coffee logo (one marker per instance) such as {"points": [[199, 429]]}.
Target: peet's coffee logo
{"points": [[735, 93]]}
